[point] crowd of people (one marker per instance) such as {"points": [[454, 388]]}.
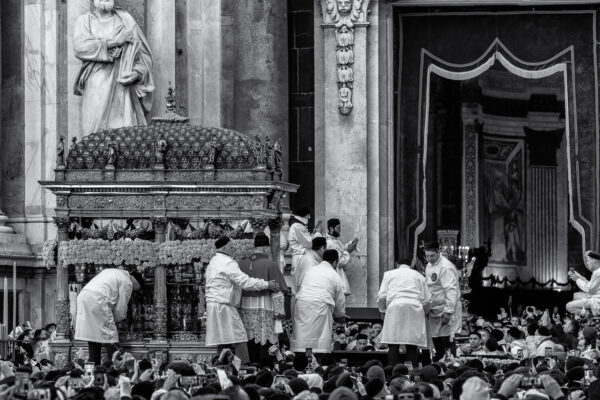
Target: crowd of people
{"points": [[535, 355], [269, 348]]}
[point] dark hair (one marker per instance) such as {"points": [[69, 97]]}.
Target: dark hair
{"points": [[332, 223], [532, 328], [543, 331], [432, 245], [331, 256], [476, 334], [319, 242], [362, 336]]}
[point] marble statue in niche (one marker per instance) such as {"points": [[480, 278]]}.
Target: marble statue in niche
{"points": [[115, 79]]}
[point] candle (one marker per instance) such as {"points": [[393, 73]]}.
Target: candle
{"points": [[14, 294], [5, 304]]}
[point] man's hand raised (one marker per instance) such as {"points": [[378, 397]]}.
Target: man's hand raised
{"points": [[273, 286]]}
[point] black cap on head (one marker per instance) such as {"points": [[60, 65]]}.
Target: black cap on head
{"points": [[333, 222], [261, 240], [331, 256], [594, 255], [222, 241], [319, 242], [302, 212], [138, 277], [433, 245]]}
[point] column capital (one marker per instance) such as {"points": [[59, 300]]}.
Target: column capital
{"points": [[345, 12], [62, 223], [160, 224], [345, 16]]}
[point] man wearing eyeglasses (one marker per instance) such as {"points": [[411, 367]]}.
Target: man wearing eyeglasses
{"points": [[445, 315]]}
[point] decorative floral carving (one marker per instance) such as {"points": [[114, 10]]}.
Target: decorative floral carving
{"points": [[160, 320], [344, 14], [63, 317], [101, 202]]}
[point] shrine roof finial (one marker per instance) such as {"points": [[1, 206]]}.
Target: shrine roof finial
{"points": [[171, 106]]}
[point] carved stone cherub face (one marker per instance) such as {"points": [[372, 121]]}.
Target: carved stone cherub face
{"points": [[344, 6]]}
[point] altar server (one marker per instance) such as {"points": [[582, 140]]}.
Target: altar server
{"points": [[334, 229], [100, 305], [299, 238], [311, 258], [224, 284], [445, 315], [260, 309], [404, 296], [320, 300], [589, 297]]}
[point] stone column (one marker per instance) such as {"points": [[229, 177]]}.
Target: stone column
{"points": [[160, 286], [546, 251], [342, 140], [260, 70], [204, 62], [3, 218], [62, 285], [470, 171], [160, 31]]}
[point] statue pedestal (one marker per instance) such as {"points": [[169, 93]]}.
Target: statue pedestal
{"points": [[11, 243], [3, 227]]}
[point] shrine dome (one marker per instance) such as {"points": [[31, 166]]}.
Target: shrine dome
{"points": [[187, 147], [169, 148]]}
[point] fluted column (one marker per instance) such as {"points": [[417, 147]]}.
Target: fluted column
{"points": [[160, 286]]}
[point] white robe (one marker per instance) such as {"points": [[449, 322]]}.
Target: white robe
{"points": [[320, 299], [307, 261], [224, 284], [404, 297], [344, 258], [101, 304], [442, 281], [299, 240]]}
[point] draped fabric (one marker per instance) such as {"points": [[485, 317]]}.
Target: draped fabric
{"points": [[532, 45]]}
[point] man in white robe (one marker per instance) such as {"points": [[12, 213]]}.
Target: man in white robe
{"points": [[334, 229], [589, 297], [319, 302], [445, 315], [100, 305], [224, 284], [115, 79], [311, 258], [299, 238], [404, 298]]}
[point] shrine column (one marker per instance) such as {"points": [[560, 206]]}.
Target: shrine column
{"points": [[3, 218], [347, 134], [160, 286], [256, 70], [63, 315]]}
